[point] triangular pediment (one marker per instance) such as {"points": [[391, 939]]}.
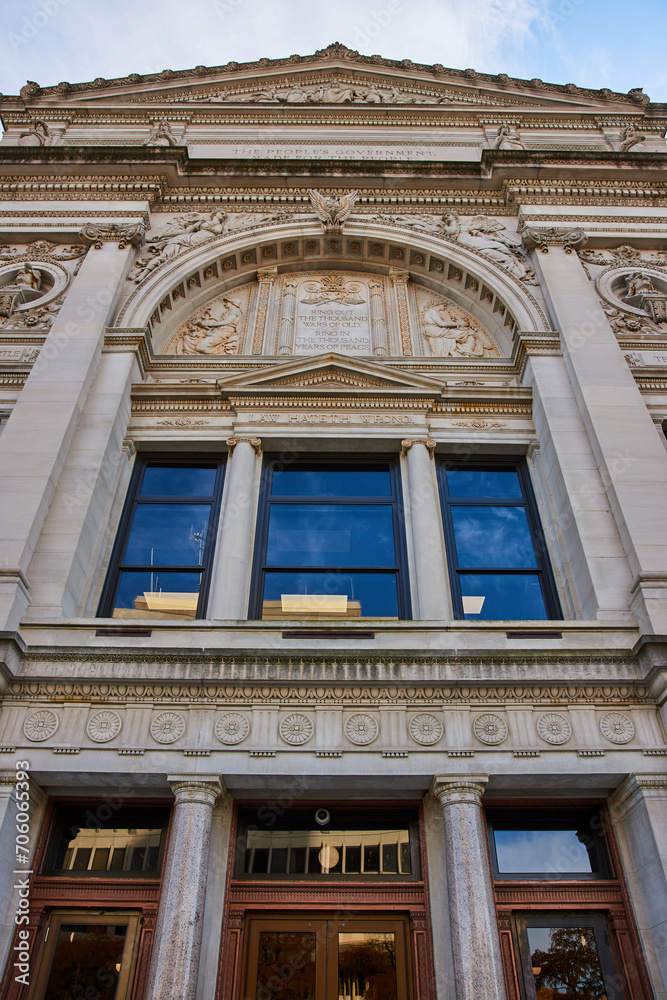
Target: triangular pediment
{"points": [[330, 373], [334, 75]]}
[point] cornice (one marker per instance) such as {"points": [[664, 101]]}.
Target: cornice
{"points": [[334, 54]]}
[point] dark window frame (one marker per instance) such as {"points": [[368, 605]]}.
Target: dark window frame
{"points": [[365, 820], [521, 921], [543, 819], [395, 500], [133, 499], [542, 570], [64, 819]]}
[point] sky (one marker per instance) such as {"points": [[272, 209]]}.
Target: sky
{"points": [[593, 43]]}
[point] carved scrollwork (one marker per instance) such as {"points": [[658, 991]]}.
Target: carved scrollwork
{"points": [[124, 235], [544, 239]]}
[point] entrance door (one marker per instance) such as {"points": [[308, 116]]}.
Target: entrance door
{"points": [[334, 958]]}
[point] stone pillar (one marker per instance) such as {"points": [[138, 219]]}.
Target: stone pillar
{"points": [[68, 547], [629, 455], [425, 518], [378, 326], [639, 811], [38, 435], [399, 280], [478, 968], [178, 934], [266, 279], [287, 317], [228, 600]]}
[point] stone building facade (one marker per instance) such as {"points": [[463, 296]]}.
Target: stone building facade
{"points": [[333, 570]]}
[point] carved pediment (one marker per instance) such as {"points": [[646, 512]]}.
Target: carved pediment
{"points": [[334, 75], [332, 373]]}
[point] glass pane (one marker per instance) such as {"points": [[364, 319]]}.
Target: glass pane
{"points": [[157, 594], [178, 481], [565, 963], [330, 852], [367, 966], [502, 597], [286, 966], [493, 536], [542, 852], [87, 962], [114, 849], [491, 484], [324, 535], [332, 482], [168, 535], [369, 595]]}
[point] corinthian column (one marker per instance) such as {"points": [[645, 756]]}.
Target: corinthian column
{"points": [[478, 968], [378, 325], [175, 958]]}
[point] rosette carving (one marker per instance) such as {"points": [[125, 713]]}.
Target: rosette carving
{"points": [[296, 728], [361, 729], [233, 727], [167, 727], [489, 728], [103, 726], [426, 729], [40, 725], [616, 727], [554, 728]]}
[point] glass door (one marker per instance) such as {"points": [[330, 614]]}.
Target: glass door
{"points": [[326, 959]]}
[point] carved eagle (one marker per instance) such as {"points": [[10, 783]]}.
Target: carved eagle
{"points": [[332, 211]]}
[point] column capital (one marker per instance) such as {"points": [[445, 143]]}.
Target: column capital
{"points": [[544, 239], [407, 443], [267, 274], [110, 232], [454, 789], [202, 789], [398, 276], [254, 442]]}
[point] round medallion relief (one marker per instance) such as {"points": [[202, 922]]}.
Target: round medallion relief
{"points": [[40, 725], [167, 727], [233, 727], [296, 728], [426, 729], [554, 727], [617, 727], [490, 728], [103, 726], [361, 729]]}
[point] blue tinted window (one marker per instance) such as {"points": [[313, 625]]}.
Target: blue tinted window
{"points": [[168, 535], [332, 482], [492, 484], [369, 595], [178, 480], [321, 535], [541, 852], [493, 537], [502, 597]]}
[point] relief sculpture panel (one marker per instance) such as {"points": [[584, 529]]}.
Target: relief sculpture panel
{"points": [[447, 330], [217, 328]]}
